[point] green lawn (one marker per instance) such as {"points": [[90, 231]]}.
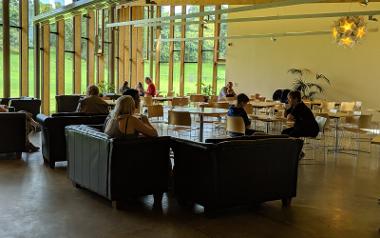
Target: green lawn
{"points": [[190, 76]]}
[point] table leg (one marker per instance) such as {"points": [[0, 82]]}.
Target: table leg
{"points": [[336, 135], [201, 127]]}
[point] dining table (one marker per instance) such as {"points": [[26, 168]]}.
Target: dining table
{"points": [[267, 119], [202, 112], [337, 116]]}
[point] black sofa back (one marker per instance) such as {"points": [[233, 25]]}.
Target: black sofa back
{"points": [[236, 172], [53, 132], [13, 132], [117, 168], [32, 106], [67, 103]]}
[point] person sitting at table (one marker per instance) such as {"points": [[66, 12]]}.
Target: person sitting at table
{"points": [[125, 87], [239, 111], [92, 103], [124, 122], [305, 124], [31, 125], [227, 91], [151, 91], [135, 95], [140, 89]]}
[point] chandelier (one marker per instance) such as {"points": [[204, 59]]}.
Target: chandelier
{"points": [[348, 31]]}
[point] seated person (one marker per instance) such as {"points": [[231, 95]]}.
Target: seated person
{"points": [[227, 91], [305, 124], [124, 122], [140, 89], [31, 125], [151, 91], [92, 103], [125, 87], [135, 95], [239, 111]]}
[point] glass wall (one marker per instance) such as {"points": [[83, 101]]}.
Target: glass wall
{"points": [[53, 66], [191, 52], [49, 5], [84, 53], [164, 53], [69, 56], [31, 84], [1, 50], [15, 36]]}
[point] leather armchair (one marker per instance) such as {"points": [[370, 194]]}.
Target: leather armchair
{"points": [[32, 106], [67, 103], [117, 168], [14, 134], [53, 132], [237, 172]]}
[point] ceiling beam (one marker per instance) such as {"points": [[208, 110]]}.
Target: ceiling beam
{"points": [[274, 18], [266, 5], [229, 2]]}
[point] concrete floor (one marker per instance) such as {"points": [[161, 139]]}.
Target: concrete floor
{"points": [[335, 199]]}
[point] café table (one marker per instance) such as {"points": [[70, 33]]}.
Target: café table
{"points": [[337, 116], [267, 119], [261, 105], [202, 112], [162, 99]]}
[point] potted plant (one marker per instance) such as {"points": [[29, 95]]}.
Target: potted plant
{"points": [[106, 88], [307, 82]]}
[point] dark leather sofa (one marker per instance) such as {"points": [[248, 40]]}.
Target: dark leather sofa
{"points": [[13, 132], [32, 106], [117, 169], [67, 103], [236, 172], [53, 132]]}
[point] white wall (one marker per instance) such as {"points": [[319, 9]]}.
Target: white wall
{"points": [[259, 65]]}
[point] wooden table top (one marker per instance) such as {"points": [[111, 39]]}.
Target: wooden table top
{"points": [[110, 102], [202, 111], [267, 118], [376, 140], [264, 104]]}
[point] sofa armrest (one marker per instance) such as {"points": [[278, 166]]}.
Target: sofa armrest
{"points": [[87, 152], [139, 166], [41, 118]]}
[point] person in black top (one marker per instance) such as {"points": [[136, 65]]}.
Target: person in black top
{"points": [[305, 124], [239, 111]]}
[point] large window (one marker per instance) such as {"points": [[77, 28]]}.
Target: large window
{"points": [[177, 51], [31, 83], [164, 53], [49, 5], [191, 52], [15, 36], [53, 66], [84, 53], [69, 56], [1, 50]]}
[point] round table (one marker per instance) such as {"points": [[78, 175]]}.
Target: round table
{"points": [[202, 112]]}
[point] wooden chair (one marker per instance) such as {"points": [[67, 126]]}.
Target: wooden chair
{"points": [[230, 99], [179, 121], [362, 125], [213, 98], [156, 112], [147, 101], [235, 125], [194, 98], [327, 106], [347, 107], [179, 102], [224, 105]]}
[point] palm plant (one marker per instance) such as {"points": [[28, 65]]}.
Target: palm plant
{"points": [[303, 82]]}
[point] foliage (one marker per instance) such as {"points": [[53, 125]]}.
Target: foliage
{"points": [[207, 89], [303, 82], [105, 87]]}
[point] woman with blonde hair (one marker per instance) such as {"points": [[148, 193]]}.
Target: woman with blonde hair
{"points": [[123, 121]]}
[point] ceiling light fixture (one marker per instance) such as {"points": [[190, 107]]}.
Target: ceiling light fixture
{"points": [[348, 31], [364, 3]]}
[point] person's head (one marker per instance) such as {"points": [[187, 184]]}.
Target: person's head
{"points": [[294, 97], [229, 85], [148, 80], [92, 90], [125, 84], [242, 100], [134, 94], [125, 105]]}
